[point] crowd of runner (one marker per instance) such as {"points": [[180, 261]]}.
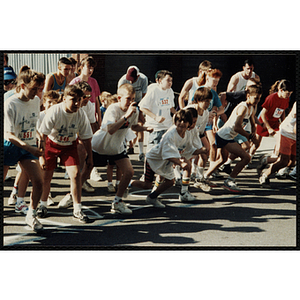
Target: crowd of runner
{"points": [[63, 118]]}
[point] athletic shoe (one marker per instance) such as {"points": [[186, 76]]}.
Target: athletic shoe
{"points": [[111, 188], [12, 200], [95, 175], [42, 211], [262, 164], [264, 181], [125, 195], [193, 177], [33, 222], [66, 201], [130, 151], [231, 186], [21, 208], [186, 197], [155, 202], [87, 187], [120, 208], [50, 200], [281, 176], [216, 174], [227, 169], [7, 178], [142, 178], [292, 176], [178, 182], [203, 184], [141, 157], [66, 175], [81, 217]]}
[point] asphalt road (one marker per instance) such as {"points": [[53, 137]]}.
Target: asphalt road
{"points": [[257, 217]]}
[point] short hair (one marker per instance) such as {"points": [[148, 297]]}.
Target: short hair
{"points": [[254, 89], [183, 115], [88, 60], [73, 61], [254, 80], [64, 60], [84, 86], [163, 73], [193, 111], [126, 87], [73, 91], [29, 77], [53, 95], [248, 61], [104, 95], [112, 99], [215, 73], [202, 93]]}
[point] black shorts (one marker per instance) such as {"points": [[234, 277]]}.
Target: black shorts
{"points": [[102, 160], [149, 174]]}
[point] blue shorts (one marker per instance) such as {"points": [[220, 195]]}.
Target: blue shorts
{"points": [[240, 139], [13, 154], [221, 143]]}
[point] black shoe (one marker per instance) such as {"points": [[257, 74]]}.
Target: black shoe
{"points": [[130, 151], [42, 211]]}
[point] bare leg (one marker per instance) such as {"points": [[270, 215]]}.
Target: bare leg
{"points": [[125, 167]]}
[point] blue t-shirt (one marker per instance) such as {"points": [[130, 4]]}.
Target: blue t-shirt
{"points": [[215, 101]]}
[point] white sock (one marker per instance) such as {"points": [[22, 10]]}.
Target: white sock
{"points": [[20, 199], [141, 146], [117, 182], [117, 199], [43, 203], [77, 207], [200, 171], [228, 161], [177, 172], [109, 183], [294, 171]]}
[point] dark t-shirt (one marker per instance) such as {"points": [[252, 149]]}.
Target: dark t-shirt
{"points": [[233, 99]]}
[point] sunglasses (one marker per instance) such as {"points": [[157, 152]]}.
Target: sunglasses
{"points": [[7, 82]]}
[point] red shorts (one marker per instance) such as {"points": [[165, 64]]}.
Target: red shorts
{"points": [[287, 146], [263, 131], [68, 154]]}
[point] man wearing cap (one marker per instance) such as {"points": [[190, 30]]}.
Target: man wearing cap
{"points": [[139, 81], [9, 81]]}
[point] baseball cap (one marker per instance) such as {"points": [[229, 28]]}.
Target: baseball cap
{"points": [[9, 73], [132, 73]]}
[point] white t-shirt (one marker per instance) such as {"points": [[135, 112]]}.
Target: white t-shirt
{"points": [[61, 127], [171, 145], [112, 144], [159, 102], [227, 132], [287, 126], [21, 117], [90, 111], [241, 85]]}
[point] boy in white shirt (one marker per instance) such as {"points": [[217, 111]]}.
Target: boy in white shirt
{"points": [[176, 147], [158, 104], [59, 130], [108, 141]]}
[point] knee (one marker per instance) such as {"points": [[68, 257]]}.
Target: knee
{"points": [[128, 173], [247, 158]]}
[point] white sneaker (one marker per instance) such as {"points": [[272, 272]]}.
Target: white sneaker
{"points": [[21, 208], [50, 200], [12, 199], [33, 222], [231, 186], [155, 202], [120, 208], [111, 188], [87, 187], [95, 175], [186, 197], [203, 184], [66, 201]]}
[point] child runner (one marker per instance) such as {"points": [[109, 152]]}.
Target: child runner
{"points": [[59, 129], [236, 123], [21, 113], [273, 110], [175, 147], [108, 141], [287, 149]]}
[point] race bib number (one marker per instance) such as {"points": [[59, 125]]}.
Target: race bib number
{"points": [[278, 113], [164, 101]]}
